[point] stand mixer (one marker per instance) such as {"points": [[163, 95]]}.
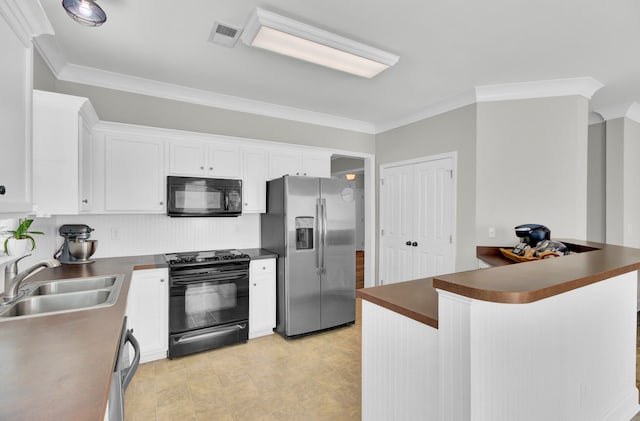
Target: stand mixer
{"points": [[77, 248]]}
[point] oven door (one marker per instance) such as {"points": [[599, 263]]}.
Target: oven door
{"points": [[190, 196], [202, 297]]}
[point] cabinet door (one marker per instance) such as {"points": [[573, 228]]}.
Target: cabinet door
{"points": [[254, 187], [15, 121], [223, 161], [86, 176], [262, 298], [283, 163], [316, 165], [134, 176], [147, 312], [187, 158]]}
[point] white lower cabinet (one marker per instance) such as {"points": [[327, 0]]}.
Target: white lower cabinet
{"points": [[262, 297], [148, 312]]}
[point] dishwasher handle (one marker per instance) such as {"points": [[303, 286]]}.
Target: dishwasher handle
{"points": [[128, 372]]}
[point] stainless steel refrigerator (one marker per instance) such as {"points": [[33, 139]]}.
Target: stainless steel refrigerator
{"points": [[310, 223]]}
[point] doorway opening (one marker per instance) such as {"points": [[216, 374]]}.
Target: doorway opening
{"points": [[352, 169]]}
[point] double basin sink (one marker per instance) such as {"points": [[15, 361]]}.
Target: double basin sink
{"points": [[64, 295]]}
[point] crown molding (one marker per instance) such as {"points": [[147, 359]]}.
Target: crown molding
{"points": [[633, 112], [52, 54], [122, 82], [595, 118], [50, 51], [583, 86], [26, 18], [612, 112], [440, 107]]}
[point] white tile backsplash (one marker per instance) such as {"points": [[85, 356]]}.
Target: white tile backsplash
{"points": [[128, 235]]}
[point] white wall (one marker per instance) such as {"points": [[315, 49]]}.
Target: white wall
{"points": [[448, 132], [615, 181], [531, 167], [596, 184], [631, 225]]}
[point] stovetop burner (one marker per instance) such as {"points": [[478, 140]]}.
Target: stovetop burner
{"points": [[210, 256]]}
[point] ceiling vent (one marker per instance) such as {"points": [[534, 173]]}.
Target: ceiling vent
{"points": [[224, 34]]}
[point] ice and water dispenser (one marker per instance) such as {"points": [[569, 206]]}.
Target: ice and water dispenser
{"points": [[304, 232]]}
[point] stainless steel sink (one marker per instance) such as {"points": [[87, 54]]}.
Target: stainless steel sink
{"points": [[55, 303], [74, 285], [64, 295]]}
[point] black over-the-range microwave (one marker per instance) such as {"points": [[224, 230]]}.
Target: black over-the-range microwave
{"points": [[199, 196]]}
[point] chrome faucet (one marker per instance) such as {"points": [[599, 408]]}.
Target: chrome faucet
{"points": [[13, 280]]}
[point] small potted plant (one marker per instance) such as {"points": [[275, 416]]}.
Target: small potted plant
{"points": [[20, 240]]}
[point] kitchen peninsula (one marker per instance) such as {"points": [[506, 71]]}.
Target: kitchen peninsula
{"points": [[550, 339]]}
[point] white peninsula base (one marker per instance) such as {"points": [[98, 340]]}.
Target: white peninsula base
{"points": [[569, 357]]}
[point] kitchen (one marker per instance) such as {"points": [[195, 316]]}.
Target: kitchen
{"points": [[479, 130]]}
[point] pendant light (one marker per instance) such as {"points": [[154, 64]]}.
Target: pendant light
{"points": [[85, 12]]}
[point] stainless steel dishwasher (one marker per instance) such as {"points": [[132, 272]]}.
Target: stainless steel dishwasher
{"points": [[123, 372]]}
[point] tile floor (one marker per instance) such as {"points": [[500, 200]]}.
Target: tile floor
{"points": [[269, 378], [312, 378]]}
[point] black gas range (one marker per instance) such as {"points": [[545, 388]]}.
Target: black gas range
{"points": [[208, 300], [211, 256]]}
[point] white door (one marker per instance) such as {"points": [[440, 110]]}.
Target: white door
{"points": [[417, 216], [432, 228], [396, 203]]}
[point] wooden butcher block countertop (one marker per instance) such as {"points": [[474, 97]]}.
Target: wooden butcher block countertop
{"points": [[58, 367], [508, 283]]}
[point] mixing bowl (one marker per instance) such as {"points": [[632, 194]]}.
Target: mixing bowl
{"points": [[83, 250]]}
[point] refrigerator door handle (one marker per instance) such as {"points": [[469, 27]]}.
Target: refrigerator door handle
{"points": [[318, 239], [324, 233]]}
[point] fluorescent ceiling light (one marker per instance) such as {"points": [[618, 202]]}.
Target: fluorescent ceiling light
{"points": [[286, 36]]}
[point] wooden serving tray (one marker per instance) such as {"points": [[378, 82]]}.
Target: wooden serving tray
{"points": [[508, 253]]}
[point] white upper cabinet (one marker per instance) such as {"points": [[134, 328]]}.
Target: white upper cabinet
{"points": [[134, 176], [62, 153], [15, 121], [298, 162], [254, 180], [204, 159]]}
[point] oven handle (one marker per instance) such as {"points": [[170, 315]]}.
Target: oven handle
{"points": [[191, 337], [207, 279]]}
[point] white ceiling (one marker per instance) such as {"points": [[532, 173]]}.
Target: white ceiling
{"points": [[446, 48]]}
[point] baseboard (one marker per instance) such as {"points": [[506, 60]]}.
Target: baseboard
{"points": [[146, 357], [626, 409], [253, 335]]}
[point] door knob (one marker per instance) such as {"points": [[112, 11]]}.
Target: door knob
{"points": [[408, 243], [414, 244]]}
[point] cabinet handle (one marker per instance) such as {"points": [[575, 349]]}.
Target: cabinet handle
{"points": [[202, 168], [255, 285], [161, 203], [210, 168], [3, 189], [85, 201], [162, 280], [246, 204], [414, 244], [408, 243], [304, 174]]}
